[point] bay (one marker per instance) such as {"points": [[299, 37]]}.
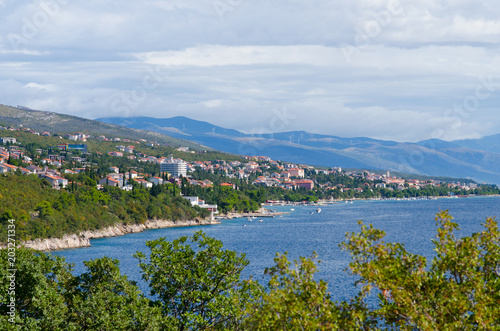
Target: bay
{"points": [[304, 231]]}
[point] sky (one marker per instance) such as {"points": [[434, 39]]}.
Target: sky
{"points": [[394, 70]]}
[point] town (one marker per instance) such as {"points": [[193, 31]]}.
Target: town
{"points": [[71, 157]]}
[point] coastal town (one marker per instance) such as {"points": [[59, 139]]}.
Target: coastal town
{"points": [[70, 157]]}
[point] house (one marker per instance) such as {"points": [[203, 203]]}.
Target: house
{"points": [[156, 180], [34, 169], [207, 183], [110, 182], [305, 183], [9, 140], [144, 183], [296, 172], [195, 201], [285, 174], [233, 186], [55, 180], [6, 168], [25, 171], [116, 170]]}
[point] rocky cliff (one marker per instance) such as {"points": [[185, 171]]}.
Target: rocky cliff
{"points": [[83, 238]]}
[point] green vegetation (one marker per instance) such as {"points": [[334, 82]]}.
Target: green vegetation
{"points": [[62, 124], [197, 288], [42, 212], [196, 285]]}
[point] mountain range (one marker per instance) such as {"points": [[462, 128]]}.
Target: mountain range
{"points": [[477, 159]]}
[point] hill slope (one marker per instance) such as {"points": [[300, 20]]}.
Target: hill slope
{"points": [[431, 157], [62, 124]]}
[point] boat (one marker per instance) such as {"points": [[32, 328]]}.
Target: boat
{"points": [[318, 210], [260, 221], [292, 209], [249, 219], [311, 212]]}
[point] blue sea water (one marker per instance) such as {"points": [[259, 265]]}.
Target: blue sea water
{"points": [[301, 233]]}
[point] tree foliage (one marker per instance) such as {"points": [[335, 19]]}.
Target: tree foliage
{"points": [[42, 212], [460, 289], [195, 284], [196, 281]]}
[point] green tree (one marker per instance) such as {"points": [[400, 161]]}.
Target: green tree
{"points": [[39, 302], [198, 287], [294, 300], [460, 290], [104, 299]]}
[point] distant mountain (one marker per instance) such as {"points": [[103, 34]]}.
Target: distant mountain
{"points": [[61, 124], [430, 157], [488, 143]]}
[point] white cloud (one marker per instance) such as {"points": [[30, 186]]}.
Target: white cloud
{"points": [[234, 69]]}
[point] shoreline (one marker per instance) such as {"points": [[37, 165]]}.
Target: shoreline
{"points": [[82, 239], [261, 213], [330, 202]]}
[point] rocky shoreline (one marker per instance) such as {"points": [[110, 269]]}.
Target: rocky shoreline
{"points": [[83, 238]]}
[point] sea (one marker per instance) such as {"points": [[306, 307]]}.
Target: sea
{"points": [[303, 231]]}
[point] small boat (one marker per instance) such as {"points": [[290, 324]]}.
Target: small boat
{"points": [[319, 210], [249, 219], [311, 212], [292, 209], [260, 221]]}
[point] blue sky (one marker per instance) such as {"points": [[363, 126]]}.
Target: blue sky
{"points": [[398, 70]]}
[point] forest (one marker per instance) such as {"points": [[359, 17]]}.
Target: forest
{"points": [[42, 212]]}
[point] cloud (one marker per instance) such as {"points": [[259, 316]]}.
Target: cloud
{"points": [[385, 69]]}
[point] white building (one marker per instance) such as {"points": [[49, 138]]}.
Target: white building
{"points": [[156, 180], [175, 167], [9, 140]]}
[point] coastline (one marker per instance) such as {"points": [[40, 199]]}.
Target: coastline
{"points": [[82, 239], [329, 202], [261, 213]]}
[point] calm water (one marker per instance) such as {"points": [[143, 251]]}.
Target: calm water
{"points": [[300, 233]]}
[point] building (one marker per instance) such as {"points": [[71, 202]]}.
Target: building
{"points": [[77, 147], [195, 201], [156, 180], [305, 183], [111, 182], [54, 180], [9, 140], [175, 167], [144, 183], [115, 170], [296, 172]]}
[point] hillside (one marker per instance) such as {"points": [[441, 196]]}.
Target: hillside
{"points": [[431, 157], [62, 124]]}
